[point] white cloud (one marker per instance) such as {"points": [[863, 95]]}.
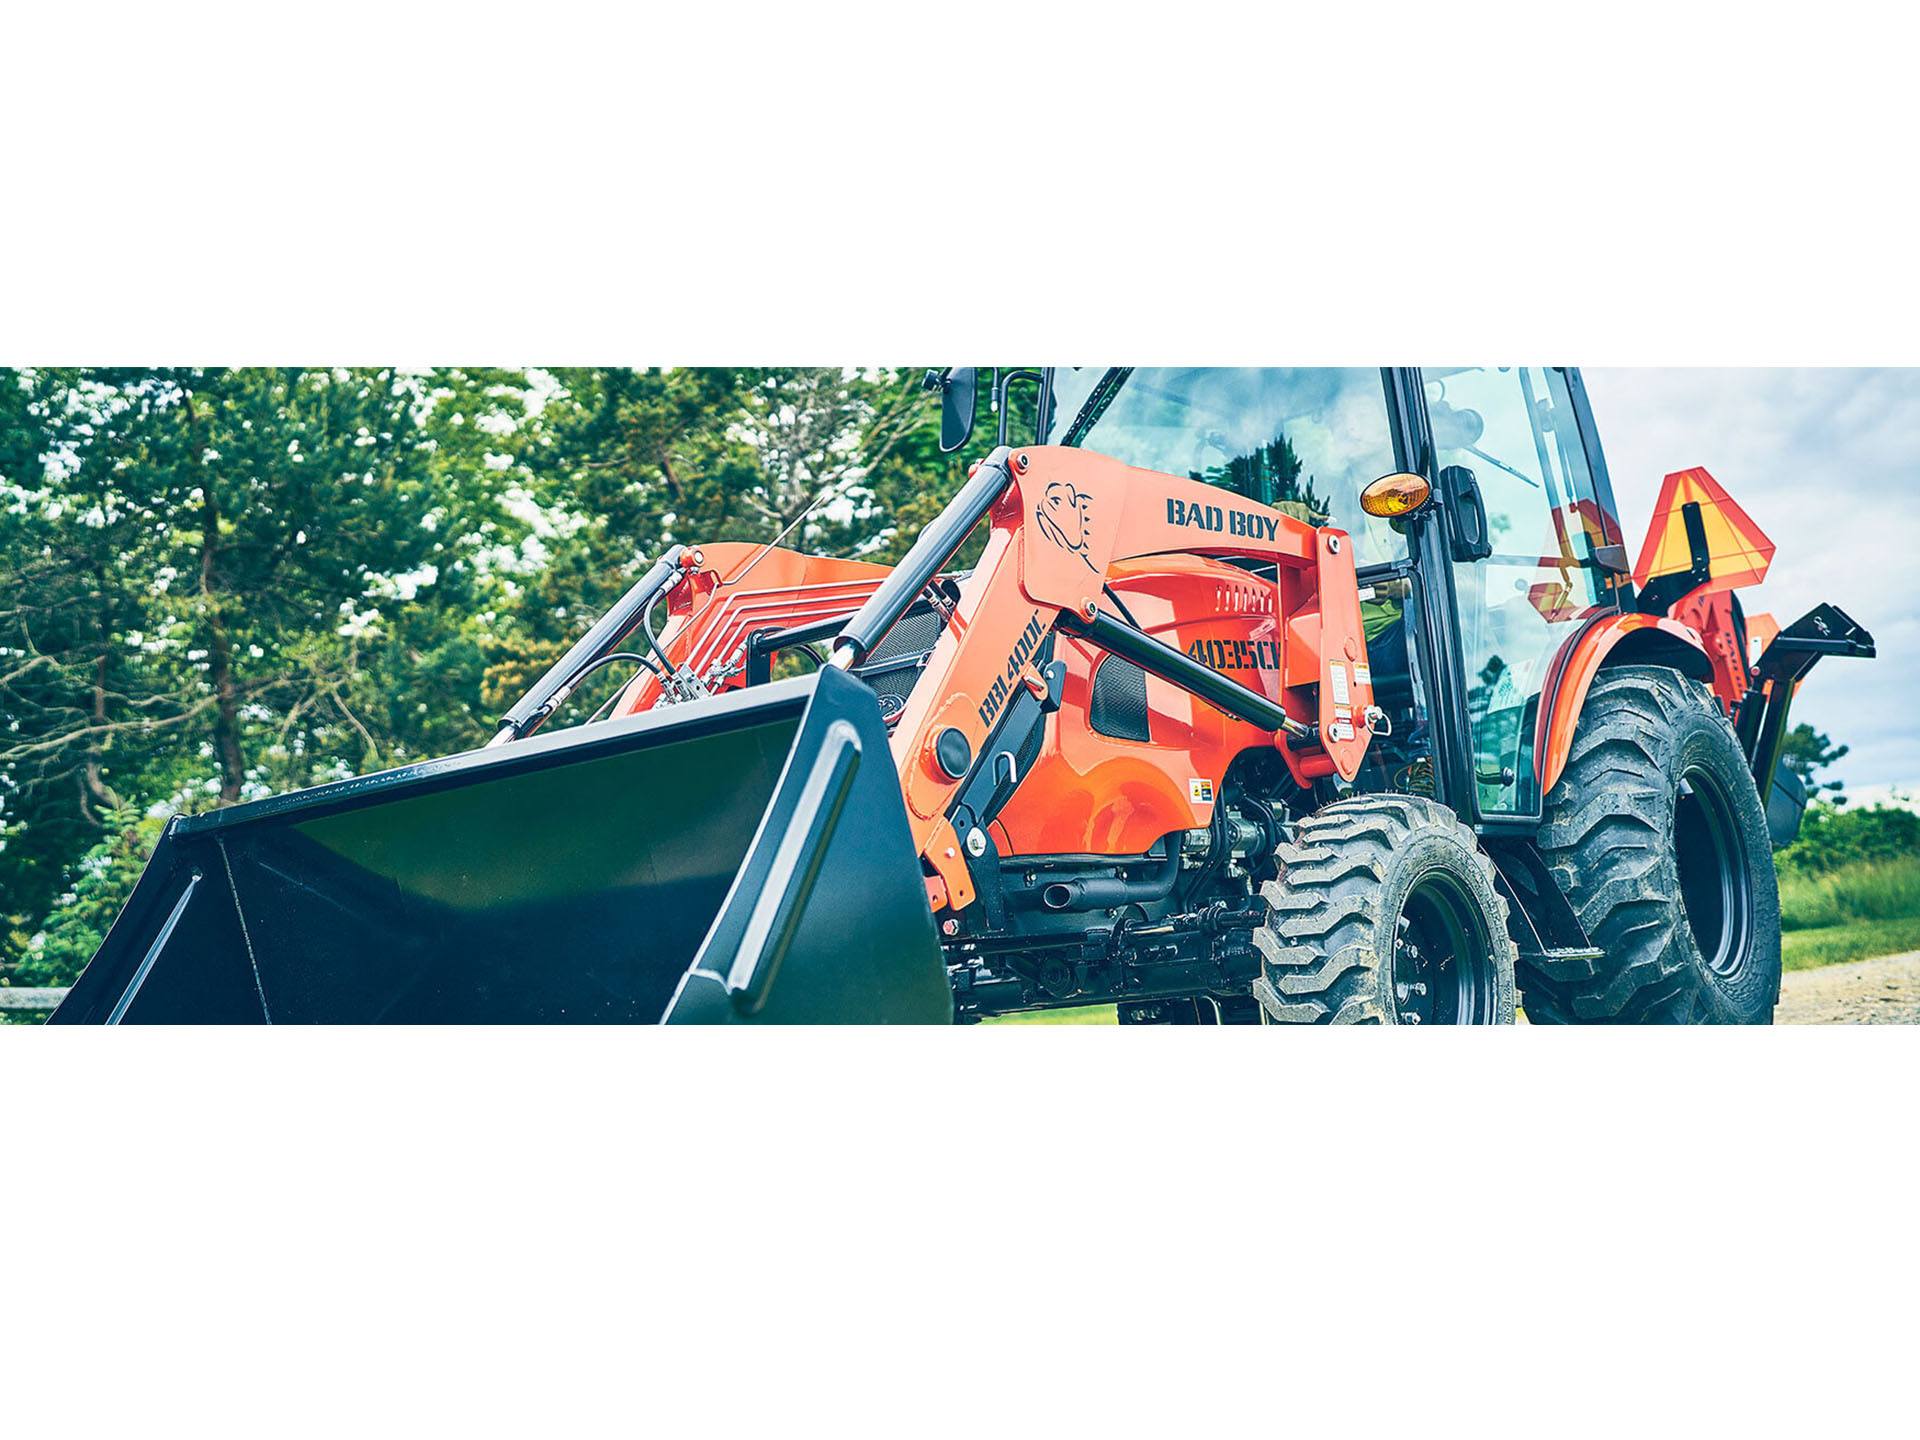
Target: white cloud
{"points": [[1899, 797], [1827, 462]]}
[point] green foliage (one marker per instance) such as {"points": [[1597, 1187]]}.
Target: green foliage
{"points": [[102, 881], [1806, 751], [1838, 944], [1869, 890], [1850, 887], [223, 583], [1831, 838]]}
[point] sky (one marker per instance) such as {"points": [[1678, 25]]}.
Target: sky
{"points": [[1827, 463]]}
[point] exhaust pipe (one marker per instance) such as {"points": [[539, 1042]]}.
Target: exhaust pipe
{"points": [[1109, 892]]}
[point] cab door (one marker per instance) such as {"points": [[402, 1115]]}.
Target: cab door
{"points": [[1525, 518]]}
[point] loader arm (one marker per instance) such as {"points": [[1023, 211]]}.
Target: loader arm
{"points": [[737, 591], [1061, 520]]}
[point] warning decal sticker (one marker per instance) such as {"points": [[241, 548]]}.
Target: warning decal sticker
{"points": [[1337, 674]]}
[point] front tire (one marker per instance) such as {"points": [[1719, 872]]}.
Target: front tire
{"points": [[1385, 913], [1656, 835]]}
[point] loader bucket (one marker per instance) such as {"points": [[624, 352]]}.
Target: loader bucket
{"points": [[745, 858]]}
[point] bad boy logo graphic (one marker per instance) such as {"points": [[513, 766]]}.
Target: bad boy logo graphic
{"points": [[1063, 519]]}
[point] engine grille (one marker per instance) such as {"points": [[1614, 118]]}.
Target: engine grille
{"points": [[884, 670]]}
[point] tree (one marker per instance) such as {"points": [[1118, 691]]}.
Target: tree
{"points": [[1831, 838], [102, 880], [77, 677], [1806, 751], [221, 583], [632, 461]]}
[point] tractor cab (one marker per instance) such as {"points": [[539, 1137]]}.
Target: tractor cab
{"points": [[1468, 600]]}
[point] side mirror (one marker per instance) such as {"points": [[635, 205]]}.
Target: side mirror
{"points": [[1466, 513], [958, 393]]}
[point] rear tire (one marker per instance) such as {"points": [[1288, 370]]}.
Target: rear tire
{"points": [[1656, 835], [1385, 913]]}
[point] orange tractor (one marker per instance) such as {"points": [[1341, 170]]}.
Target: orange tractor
{"points": [[1276, 695]]}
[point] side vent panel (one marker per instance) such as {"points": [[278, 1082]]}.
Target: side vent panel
{"points": [[1118, 708]]}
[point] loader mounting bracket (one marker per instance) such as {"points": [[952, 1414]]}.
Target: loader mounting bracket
{"points": [[1762, 716]]}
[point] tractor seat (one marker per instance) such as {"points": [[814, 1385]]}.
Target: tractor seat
{"points": [[1392, 676]]}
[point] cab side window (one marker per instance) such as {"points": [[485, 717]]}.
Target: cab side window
{"points": [[1513, 429]]}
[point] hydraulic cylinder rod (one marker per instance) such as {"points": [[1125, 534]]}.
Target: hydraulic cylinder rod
{"points": [[1158, 658], [929, 555], [533, 708]]}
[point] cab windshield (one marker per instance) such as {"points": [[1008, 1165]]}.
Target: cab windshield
{"points": [[1304, 441]]}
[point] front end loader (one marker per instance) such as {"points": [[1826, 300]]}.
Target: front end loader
{"points": [[668, 867], [1274, 697]]}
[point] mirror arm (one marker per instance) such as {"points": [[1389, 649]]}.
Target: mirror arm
{"points": [[1002, 382]]}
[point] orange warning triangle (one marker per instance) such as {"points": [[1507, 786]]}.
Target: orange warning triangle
{"points": [[1740, 549]]}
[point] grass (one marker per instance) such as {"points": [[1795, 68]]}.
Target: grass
{"points": [[1878, 890], [1857, 912], [1857, 940], [1081, 1015]]}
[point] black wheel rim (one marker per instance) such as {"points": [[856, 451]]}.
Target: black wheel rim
{"points": [[1715, 889], [1443, 970]]}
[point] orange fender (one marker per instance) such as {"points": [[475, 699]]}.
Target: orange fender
{"points": [[1654, 638]]}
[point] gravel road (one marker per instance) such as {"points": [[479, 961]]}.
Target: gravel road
{"points": [[1866, 992]]}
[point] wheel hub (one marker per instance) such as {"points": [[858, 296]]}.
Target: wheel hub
{"points": [[1716, 891], [1443, 964]]}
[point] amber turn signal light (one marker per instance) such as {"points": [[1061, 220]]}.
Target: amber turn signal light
{"points": [[1392, 496]]}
